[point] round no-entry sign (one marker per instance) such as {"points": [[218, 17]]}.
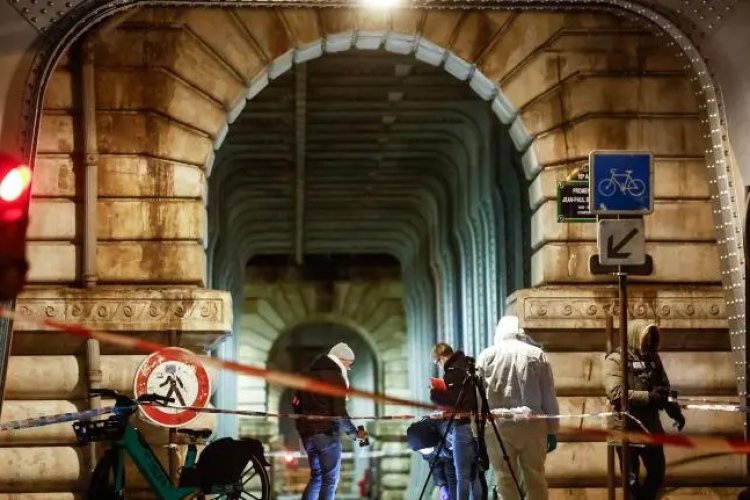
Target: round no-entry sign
{"points": [[174, 373]]}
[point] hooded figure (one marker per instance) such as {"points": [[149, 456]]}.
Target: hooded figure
{"points": [[648, 393], [516, 374]]}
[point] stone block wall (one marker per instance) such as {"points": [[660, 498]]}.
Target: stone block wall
{"points": [[168, 86]]}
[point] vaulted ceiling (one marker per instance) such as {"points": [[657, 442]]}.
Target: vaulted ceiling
{"points": [[374, 153]]}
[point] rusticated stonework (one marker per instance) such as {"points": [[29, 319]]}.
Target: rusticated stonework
{"points": [[132, 310], [568, 307]]}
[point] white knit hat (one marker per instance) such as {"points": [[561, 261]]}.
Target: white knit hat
{"points": [[342, 351]]}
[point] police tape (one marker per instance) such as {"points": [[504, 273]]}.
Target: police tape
{"points": [[514, 415], [705, 443], [706, 404], [313, 385], [289, 416], [54, 419], [271, 376], [293, 454]]}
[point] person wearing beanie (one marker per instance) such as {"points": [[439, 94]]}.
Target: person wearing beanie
{"points": [[517, 376], [320, 437]]}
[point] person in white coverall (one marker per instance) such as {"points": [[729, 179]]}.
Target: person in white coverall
{"points": [[517, 376]]}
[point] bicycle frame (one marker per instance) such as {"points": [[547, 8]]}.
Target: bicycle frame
{"points": [[149, 466], [223, 472], [621, 180]]}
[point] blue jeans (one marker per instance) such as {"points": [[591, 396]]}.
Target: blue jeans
{"points": [[465, 461], [324, 456]]}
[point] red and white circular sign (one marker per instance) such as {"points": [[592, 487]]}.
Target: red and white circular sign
{"points": [[174, 373]]}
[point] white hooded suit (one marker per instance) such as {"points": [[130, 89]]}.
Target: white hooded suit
{"points": [[517, 374]]}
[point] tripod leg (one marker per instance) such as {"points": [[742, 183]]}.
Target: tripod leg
{"points": [[487, 415], [437, 455], [451, 423]]}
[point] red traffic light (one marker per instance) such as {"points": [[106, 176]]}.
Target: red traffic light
{"points": [[15, 183], [15, 192]]}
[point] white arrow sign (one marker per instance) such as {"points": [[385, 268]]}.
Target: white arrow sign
{"points": [[621, 242]]}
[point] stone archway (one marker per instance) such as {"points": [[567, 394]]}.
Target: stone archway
{"points": [[277, 314], [374, 311], [155, 151], [561, 110]]}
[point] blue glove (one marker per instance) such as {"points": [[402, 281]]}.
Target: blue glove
{"points": [[551, 443]]}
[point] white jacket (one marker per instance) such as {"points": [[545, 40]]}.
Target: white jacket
{"points": [[518, 374]]}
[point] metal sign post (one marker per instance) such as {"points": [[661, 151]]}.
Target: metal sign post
{"points": [[610, 348], [622, 279], [621, 185]]}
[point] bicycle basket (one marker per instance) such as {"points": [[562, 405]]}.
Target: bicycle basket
{"points": [[88, 431]]}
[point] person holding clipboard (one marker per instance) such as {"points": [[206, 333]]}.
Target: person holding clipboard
{"points": [[445, 392]]}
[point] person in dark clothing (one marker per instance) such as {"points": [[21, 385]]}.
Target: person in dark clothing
{"points": [[321, 437], [648, 395], [465, 451]]}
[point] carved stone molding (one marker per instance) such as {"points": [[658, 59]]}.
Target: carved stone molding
{"points": [[588, 307], [129, 309]]}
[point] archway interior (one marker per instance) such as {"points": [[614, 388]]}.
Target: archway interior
{"points": [[371, 152]]}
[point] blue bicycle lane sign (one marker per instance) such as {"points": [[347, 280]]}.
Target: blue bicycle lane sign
{"points": [[621, 182]]}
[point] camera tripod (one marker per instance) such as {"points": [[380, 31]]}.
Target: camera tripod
{"points": [[474, 383]]}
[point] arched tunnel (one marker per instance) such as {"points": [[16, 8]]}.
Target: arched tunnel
{"points": [[257, 184], [382, 155]]}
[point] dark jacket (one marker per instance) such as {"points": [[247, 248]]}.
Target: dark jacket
{"points": [[455, 373], [645, 373], [309, 403]]}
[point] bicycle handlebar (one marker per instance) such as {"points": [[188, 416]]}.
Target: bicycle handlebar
{"points": [[155, 398], [122, 400], [107, 393]]}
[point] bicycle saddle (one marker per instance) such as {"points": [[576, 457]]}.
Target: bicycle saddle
{"points": [[196, 433]]}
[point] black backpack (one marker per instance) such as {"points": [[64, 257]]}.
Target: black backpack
{"points": [[423, 434]]}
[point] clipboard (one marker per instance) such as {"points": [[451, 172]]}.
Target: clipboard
{"points": [[438, 384]]}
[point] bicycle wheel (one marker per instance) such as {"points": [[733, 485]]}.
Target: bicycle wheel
{"points": [[636, 187], [256, 484], [102, 485], [606, 187]]}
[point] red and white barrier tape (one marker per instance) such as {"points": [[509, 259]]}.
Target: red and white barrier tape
{"points": [[289, 455], [727, 445], [54, 419], [272, 376]]}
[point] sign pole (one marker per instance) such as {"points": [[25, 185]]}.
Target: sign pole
{"points": [[625, 403], [611, 482]]}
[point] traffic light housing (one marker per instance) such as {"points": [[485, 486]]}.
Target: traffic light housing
{"points": [[15, 194]]}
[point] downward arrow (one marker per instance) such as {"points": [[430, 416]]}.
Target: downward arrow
{"points": [[613, 251]]}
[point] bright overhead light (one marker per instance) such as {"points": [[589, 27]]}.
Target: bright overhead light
{"points": [[379, 4]]}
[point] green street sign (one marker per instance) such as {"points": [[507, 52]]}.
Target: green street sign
{"points": [[573, 202]]}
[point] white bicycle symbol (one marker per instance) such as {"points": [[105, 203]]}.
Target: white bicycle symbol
{"points": [[624, 182]]}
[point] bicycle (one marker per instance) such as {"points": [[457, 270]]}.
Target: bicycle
{"points": [[227, 468], [624, 182]]}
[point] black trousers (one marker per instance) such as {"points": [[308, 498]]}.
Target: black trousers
{"points": [[652, 458]]}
